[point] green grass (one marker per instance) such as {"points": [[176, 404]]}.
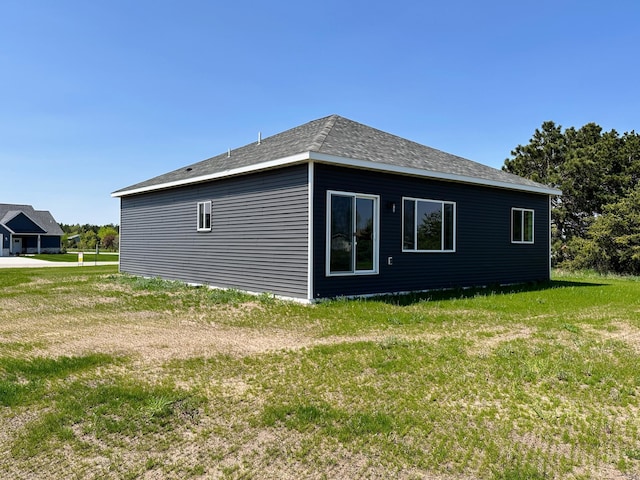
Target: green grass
{"points": [[117, 410], [523, 382], [48, 281], [73, 257]]}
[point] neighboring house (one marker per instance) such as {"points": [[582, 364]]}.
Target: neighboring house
{"points": [[73, 241], [336, 208], [25, 230]]}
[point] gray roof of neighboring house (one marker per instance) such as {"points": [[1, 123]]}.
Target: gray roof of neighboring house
{"points": [[338, 140], [42, 218]]}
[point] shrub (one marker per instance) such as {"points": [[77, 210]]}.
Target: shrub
{"points": [[613, 243]]}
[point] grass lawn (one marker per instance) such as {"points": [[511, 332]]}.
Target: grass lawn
{"points": [[73, 257], [104, 375]]}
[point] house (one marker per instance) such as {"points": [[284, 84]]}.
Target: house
{"points": [[73, 240], [336, 208], [25, 230]]}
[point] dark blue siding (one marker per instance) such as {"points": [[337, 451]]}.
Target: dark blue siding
{"points": [[49, 242], [484, 252], [4, 237], [23, 224], [29, 243]]}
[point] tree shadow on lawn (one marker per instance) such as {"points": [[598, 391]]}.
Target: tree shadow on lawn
{"points": [[406, 299]]}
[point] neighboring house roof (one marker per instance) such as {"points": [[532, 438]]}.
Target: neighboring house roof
{"points": [[340, 141], [10, 215], [41, 218]]}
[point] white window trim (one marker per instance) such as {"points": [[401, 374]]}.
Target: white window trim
{"points": [[198, 226], [376, 235], [415, 232], [533, 226]]}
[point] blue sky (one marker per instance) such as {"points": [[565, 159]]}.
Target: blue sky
{"points": [[98, 95]]}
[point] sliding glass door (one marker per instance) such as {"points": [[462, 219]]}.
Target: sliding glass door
{"points": [[352, 231]]}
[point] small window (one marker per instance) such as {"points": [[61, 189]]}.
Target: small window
{"points": [[521, 225], [204, 216], [428, 225]]}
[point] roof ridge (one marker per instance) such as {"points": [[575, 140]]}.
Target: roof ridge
{"points": [[342, 140], [319, 139]]}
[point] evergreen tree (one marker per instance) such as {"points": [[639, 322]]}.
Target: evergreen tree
{"points": [[593, 169]]}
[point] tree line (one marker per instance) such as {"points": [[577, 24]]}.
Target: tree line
{"points": [[87, 237], [596, 221]]}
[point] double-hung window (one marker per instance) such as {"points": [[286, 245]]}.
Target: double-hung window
{"points": [[204, 216], [521, 225], [428, 225]]}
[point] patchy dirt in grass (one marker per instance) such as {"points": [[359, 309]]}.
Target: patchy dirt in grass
{"points": [[159, 336], [487, 340], [156, 341], [13, 423], [625, 333], [217, 446]]}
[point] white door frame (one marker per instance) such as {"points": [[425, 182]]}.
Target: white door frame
{"points": [[375, 233], [13, 242]]}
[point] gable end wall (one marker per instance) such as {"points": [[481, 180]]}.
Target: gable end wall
{"points": [[23, 224]]}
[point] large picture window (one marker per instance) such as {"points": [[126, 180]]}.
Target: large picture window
{"points": [[428, 225], [204, 216], [521, 225], [352, 233]]}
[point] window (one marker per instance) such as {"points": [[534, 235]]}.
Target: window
{"points": [[521, 225], [204, 216], [428, 225], [352, 234]]}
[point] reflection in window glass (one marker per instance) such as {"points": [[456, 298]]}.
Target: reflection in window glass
{"points": [[341, 235], [429, 216], [448, 226], [521, 225], [516, 235], [428, 225], [528, 226], [352, 224], [409, 225], [204, 216], [364, 234]]}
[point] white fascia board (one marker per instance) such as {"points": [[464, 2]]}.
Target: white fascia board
{"points": [[418, 172], [347, 162], [280, 162]]}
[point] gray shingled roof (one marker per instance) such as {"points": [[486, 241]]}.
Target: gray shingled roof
{"points": [[339, 137], [42, 218]]}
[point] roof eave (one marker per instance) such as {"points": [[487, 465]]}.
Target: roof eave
{"points": [[342, 161], [418, 172], [290, 160]]}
